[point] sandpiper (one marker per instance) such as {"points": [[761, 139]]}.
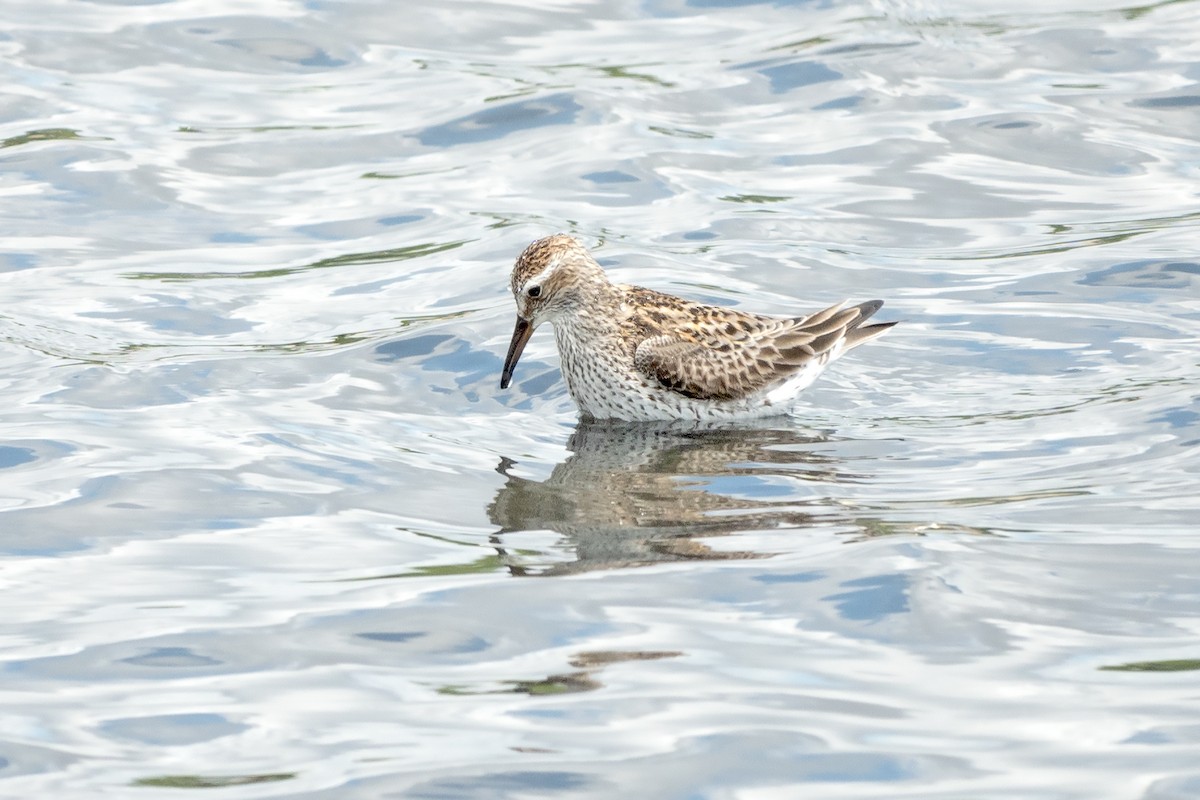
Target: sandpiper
{"points": [[636, 354]]}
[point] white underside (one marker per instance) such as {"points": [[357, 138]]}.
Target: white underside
{"points": [[607, 388], [614, 394]]}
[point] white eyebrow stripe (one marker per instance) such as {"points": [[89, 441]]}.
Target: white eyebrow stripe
{"points": [[537, 279]]}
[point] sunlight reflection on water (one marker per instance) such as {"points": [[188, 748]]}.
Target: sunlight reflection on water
{"points": [[264, 511]]}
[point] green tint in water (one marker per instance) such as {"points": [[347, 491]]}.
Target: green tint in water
{"points": [[350, 259], [210, 781]]}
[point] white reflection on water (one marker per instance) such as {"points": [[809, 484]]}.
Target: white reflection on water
{"points": [[262, 503]]}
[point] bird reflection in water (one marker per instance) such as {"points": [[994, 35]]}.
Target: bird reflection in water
{"points": [[633, 494]]}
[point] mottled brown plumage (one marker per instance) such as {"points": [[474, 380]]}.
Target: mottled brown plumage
{"points": [[637, 354]]}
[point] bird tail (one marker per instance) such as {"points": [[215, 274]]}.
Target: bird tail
{"points": [[859, 334]]}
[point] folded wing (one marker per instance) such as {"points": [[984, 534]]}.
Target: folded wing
{"points": [[737, 355]]}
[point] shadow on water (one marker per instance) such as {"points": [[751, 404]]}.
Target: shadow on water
{"points": [[633, 494]]}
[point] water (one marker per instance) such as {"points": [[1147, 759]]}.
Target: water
{"points": [[268, 525]]}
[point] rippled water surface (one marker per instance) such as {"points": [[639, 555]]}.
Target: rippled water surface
{"points": [[269, 527]]}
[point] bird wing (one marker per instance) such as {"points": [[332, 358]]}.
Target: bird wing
{"points": [[730, 355]]}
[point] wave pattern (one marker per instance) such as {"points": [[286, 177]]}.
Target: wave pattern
{"points": [[267, 521]]}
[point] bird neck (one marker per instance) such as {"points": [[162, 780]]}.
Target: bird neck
{"points": [[595, 309]]}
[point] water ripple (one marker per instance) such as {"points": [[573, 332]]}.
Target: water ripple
{"points": [[267, 520]]}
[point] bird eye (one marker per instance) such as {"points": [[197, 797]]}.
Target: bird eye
{"points": [[534, 292]]}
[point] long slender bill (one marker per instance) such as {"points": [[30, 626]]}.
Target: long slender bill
{"points": [[520, 336]]}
